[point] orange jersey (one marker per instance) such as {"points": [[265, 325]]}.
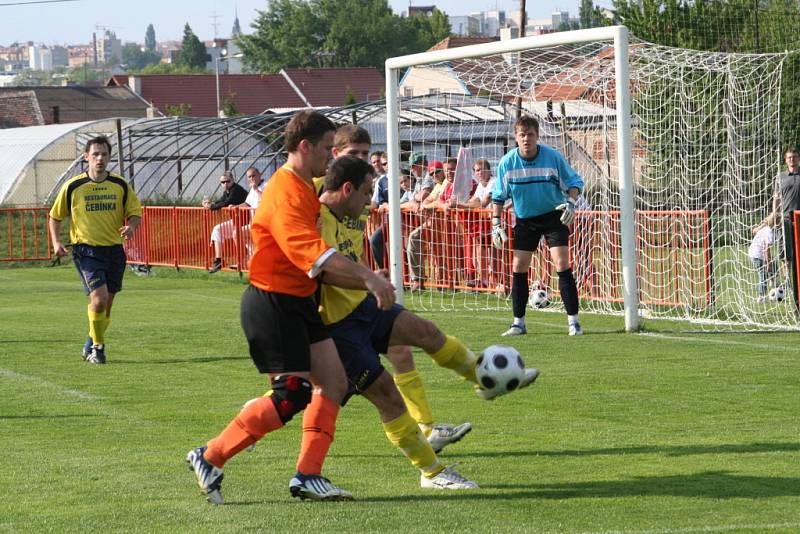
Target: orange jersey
{"points": [[289, 249]]}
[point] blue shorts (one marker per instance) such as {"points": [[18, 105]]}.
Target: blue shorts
{"points": [[359, 338], [100, 266]]}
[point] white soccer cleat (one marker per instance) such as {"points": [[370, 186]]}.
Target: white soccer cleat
{"points": [[447, 479], [209, 477], [443, 435], [516, 330], [317, 488], [575, 329]]}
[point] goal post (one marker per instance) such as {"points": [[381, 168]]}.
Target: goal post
{"points": [[618, 35]]}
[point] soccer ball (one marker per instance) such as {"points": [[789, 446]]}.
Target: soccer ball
{"points": [[538, 299], [500, 369], [777, 294]]}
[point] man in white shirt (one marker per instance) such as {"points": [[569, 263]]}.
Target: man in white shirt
{"points": [[226, 230]]}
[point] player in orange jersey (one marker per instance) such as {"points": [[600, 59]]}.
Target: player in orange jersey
{"points": [[282, 324]]}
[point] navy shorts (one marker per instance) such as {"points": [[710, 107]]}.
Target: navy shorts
{"points": [[100, 266], [280, 330], [359, 338], [528, 232]]}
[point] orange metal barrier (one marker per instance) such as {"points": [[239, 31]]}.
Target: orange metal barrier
{"points": [[453, 246], [24, 235]]}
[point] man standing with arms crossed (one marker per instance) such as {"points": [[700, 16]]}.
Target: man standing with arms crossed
{"points": [[282, 324], [104, 211], [543, 189]]}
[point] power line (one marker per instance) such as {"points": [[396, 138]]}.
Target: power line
{"points": [[35, 2]]}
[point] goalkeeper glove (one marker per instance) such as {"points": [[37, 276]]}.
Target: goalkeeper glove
{"points": [[499, 236], [568, 209]]}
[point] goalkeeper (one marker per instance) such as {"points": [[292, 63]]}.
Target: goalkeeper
{"points": [[543, 189]]}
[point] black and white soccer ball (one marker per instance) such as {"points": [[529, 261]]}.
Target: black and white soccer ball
{"points": [[777, 294], [500, 369], [538, 299]]}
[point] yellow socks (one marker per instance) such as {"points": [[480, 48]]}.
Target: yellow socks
{"points": [[410, 386], [456, 356], [404, 433], [98, 322]]}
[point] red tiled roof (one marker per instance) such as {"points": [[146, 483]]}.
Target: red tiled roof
{"points": [[251, 94], [80, 103], [328, 87], [19, 108]]}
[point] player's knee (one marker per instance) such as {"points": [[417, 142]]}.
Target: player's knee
{"points": [[290, 394]]}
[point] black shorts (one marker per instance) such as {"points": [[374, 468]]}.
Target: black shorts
{"points": [[100, 266], [359, 338], [528, 232], [280, 330]]}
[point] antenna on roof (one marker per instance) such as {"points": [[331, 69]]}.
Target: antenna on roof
{"points": [[214, 24]]}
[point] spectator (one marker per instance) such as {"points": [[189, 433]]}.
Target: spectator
{"points": [[424, 198], [227, 229], [477, 229], [233, 196], [379, 163], [760, 254], [785, 200]]}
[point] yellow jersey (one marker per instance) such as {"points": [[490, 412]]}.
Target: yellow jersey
{"points": [[97, 210]]}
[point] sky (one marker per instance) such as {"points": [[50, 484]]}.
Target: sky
{"points": [[72, 22]]}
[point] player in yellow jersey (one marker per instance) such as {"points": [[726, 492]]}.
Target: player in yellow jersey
{"points": [[360, 330], [352, 140], [104, 211]]}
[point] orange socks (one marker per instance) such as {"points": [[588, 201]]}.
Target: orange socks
{"points": [[319, 425], [256, 419]]}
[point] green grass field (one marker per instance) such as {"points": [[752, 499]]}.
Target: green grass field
{"points": [[661, 432]]}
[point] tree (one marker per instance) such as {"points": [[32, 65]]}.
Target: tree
{"points": [[150, 38], [342, 33], [193, 53], [590, 16], [170, 68], [287, 35], [179, 110], [136, 59]]}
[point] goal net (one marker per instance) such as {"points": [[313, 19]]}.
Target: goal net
{"points": [[704, 149]]}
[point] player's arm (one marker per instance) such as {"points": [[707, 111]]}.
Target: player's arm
{"points": [[351, 275], [128, 229], [55, 237]]}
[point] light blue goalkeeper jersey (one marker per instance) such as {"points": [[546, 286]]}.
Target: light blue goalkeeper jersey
{"points": [[534, 186]]}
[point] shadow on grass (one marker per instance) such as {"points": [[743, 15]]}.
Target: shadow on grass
{"points": [[158, 361], [680, 450], [708, 484], [8, 417], [669, 450]]}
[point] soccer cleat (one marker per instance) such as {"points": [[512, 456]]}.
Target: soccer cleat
{"points": [[216, 266], [575, 329], [86, 352], [447, 479], [209, 478], [444, 434], [516, 330], [316, 488], [98, 355], [531, 374]]}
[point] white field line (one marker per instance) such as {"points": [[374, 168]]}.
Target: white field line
{"points": [[6, 373], [709, 528]]}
